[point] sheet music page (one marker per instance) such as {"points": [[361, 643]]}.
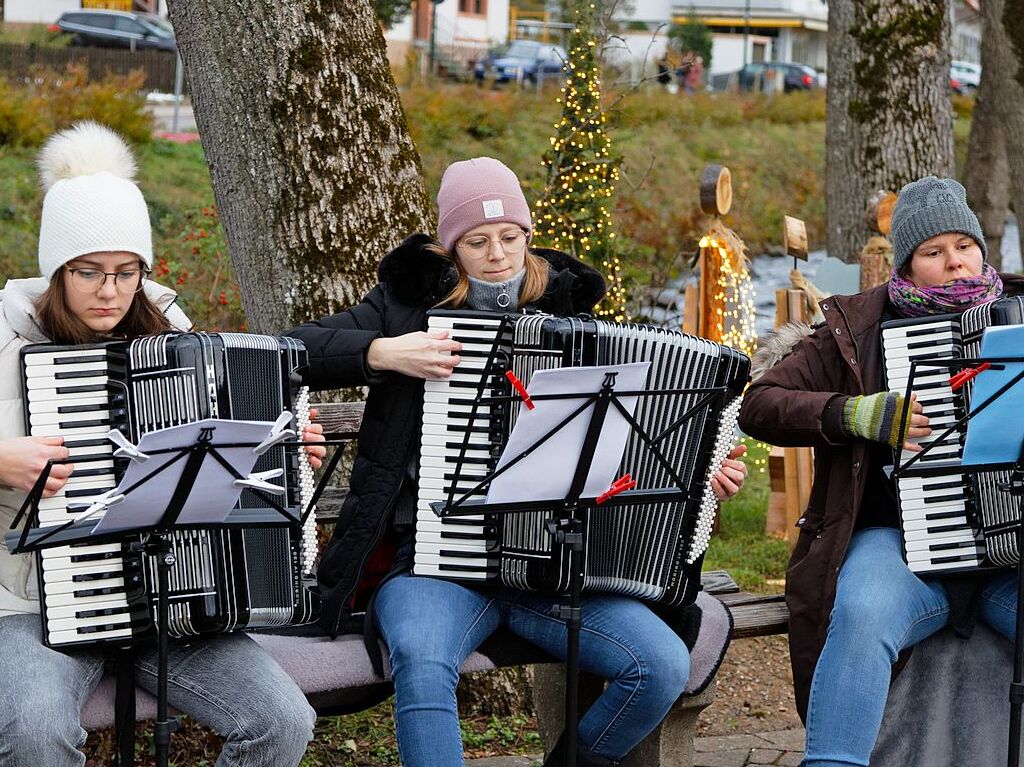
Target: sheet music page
{"points": [[546, 474], [995, 435], [213, 495]]}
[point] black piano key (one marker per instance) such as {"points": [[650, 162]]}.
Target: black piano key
{"points": [[453, 568], [96, 557], [84, 389], [103, 612], [84, 424], [84, 408], [457, 554], [85, 492], [99, 592], [454, 535], [87, 442]]}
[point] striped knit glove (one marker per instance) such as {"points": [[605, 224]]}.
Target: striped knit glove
{"points": [[875, 417]]}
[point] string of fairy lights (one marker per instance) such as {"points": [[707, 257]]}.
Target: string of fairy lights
{"points": [[574, 211], [732, 307], [733, 299]]}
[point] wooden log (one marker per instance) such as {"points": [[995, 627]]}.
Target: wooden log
{"points": [[875, 262], [716, 190], [879, 211], [775, 520], [691, 310], [797, 305], [781, 306]]}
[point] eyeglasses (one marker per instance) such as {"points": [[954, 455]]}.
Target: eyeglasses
{"points": [[478, 246], [92, 280]]}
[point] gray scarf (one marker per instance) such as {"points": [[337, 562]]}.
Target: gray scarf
{"points": [[496, 296]]}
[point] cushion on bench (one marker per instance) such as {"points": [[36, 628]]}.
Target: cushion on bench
{"points": [[337, 677]]}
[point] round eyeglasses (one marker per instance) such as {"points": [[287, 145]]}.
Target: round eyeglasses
{"points": [[479, 245], [92, 280]]}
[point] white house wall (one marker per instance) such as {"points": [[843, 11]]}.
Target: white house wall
{"points": [[37, 11]]}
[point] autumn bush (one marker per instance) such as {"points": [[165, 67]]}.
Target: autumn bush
{"points": [[50, 100]]}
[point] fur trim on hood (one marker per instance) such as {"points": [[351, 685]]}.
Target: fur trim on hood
{"points": [[17, 304], [775, 345], [420, 277]]}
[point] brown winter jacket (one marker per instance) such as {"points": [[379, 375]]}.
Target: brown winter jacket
{"points": [[840, 359]]}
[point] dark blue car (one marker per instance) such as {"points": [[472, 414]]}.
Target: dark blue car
{"points": [[522, 61]]}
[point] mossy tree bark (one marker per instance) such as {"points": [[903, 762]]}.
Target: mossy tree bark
{"points": [[1010, 76], [890, 119], [987, 172], [314, 173]]}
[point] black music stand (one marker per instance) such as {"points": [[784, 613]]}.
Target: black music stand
{"points": [[567, 527], [156, 536], [1013, 459]]}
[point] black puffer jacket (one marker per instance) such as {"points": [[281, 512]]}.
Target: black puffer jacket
{"points": [[412, 280]]}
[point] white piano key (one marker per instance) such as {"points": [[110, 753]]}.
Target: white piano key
{"points": [[51, 371]]}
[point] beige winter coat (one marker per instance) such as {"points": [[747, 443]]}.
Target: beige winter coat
{"points": [[18, 588]]}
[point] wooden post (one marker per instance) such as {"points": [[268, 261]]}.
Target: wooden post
{"points": [[876, 257], [715, 200], [792, 468]]}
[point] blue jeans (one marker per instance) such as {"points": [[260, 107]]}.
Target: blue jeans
{"points": [[881, 608], [228, 683], [431, 625]]}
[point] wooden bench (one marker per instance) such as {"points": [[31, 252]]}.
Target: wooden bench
{"points": [[337, 678], [752, 615]]}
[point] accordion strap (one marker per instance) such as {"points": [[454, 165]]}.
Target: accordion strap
{"points": [[124, 708]]}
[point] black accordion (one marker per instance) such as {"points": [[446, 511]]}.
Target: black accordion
{"points": [[950, 521], [652, 552], [222, 581]]}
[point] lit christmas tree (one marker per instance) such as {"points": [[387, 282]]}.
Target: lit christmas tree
{"points": [[573, 214]]}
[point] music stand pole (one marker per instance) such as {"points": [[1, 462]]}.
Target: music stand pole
{"points": [[1016, 487], [159, 546], [570, 531]]}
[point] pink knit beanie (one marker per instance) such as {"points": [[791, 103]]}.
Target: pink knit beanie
{"points": [[475, 192]]}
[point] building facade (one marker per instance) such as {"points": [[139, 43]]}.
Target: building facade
{"points": [[463, 29], [48, 11], [743, 30]]}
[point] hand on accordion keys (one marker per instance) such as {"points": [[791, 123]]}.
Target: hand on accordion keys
{"points": [[879, 417], [22, 460], [730, 478], [428, 355]]}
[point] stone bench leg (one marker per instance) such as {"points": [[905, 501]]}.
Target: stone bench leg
{"points": [[671, 743]]}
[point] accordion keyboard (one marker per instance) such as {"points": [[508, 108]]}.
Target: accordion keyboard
{"points": [[457, 546], [77, 393]]}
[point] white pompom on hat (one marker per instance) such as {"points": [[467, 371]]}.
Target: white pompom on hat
{"points": [[92, 204]]}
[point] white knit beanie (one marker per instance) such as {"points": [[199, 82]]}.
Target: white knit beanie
{"points": [[92, 204]]}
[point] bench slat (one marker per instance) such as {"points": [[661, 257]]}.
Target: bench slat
{"points": [[340, 418]]}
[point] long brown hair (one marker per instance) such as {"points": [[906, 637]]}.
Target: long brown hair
{"points": [[143, 318], [534, 283]]}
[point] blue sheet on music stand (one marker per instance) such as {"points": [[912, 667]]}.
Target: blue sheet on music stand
{"points": [[995, 435]]}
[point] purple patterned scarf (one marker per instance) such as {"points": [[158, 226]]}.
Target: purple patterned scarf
{"points": [[959, 295]]}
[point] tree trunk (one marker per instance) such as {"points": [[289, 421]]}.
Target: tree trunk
{"points": [[1010, 34], [890, 119], [987, 173], [313, 170]]}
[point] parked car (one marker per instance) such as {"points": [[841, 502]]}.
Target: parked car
{"points": [[526, 60], [117, 29], [966, 75], [760, 76]]}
